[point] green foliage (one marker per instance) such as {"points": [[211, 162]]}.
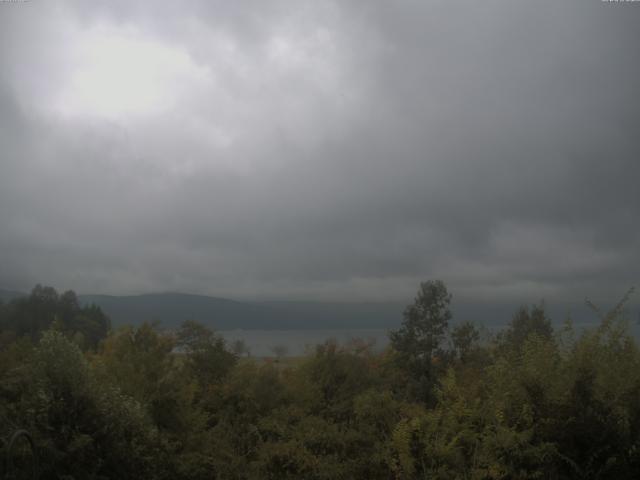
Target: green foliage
{"points": [[464, 338], [153, 404], [419, 340], [525, 322], [44, 308], [425, 321], [206, 353], [82, 428]]}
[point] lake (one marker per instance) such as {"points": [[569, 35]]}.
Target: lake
{"points": [[298, 342]]}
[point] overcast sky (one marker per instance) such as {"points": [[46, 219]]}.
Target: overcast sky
{"points": [[321, 150]]}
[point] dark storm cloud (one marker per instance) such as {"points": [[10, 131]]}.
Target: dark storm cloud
{"points": [[321, 150]]}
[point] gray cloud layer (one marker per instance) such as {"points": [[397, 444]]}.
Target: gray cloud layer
{"points": [[331, 150]]}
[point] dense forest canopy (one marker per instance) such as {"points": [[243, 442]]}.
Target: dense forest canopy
{"points": [[44, 308], [443, 401]]}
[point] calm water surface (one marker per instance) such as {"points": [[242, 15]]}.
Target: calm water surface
{"points": [[298, 342]]}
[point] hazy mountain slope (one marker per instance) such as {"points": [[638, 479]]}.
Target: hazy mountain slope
{"points": [[222, 314], [7, 295], [173, 308]]}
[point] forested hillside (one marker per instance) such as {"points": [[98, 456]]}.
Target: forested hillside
{"points": [[443, 401], [173, 308]]}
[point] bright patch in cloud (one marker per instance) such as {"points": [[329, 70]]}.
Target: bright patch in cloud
{"points": [[116, 75]]}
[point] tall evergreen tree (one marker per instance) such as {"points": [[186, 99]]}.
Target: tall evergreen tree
{"points": [[419, 340]]}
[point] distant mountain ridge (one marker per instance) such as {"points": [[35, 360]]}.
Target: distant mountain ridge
{"points": [[170, 309]]}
